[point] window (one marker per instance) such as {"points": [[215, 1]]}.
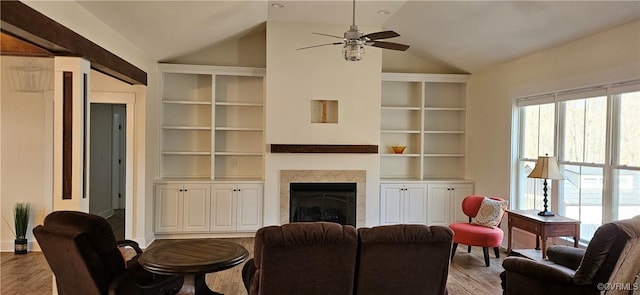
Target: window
{"points": [[582, 142], [594, 133], [538, 139], [625, 174]]}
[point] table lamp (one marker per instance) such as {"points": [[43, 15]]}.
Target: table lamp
{"points": [[546, 168]]}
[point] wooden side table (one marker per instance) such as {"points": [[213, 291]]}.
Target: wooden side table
{"points": [[192, 259], [543, 227]]}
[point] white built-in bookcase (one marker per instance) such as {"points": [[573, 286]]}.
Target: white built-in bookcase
{"points": [[212, 122], [426, 113]]}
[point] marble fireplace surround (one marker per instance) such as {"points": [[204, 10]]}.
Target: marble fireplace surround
{"points": [[357, 176]]}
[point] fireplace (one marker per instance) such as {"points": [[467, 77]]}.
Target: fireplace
{"points": [[320, 201], [287, 177]]}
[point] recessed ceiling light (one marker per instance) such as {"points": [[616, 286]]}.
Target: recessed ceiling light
{"points": [[384, 12], [277, 5]]}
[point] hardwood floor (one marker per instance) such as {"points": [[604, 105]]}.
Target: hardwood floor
{"points": [[117, 223], [30, 274]]}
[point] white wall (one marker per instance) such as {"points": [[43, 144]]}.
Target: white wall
{"points": [[26, 155], [294, 78], [248, 50], [609, 56]]}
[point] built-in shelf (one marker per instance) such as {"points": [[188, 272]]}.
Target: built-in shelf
{"points": [[212, 122], [186, 102], [401, 131], [186, 127], [400, 155], [238, 129], [444, 132], [238, 104], [394, 108], [188, 153], [427, 114], [237, 154]]}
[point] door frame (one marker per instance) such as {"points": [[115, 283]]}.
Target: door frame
{"points": [[128, 99]]}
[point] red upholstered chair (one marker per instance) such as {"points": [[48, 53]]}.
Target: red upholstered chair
{"points": [[472, 234]]}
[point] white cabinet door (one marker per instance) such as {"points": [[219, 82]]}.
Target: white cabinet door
{"points": [[415, 204], [447, 202], [459, 192], [390, 203], [249, 207], [403, 203], [196, 207], [223, 208], [168, 208], [439, 209], [439, 204]]}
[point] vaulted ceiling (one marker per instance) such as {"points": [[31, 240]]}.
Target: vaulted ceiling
{"points": [[465, 35]]}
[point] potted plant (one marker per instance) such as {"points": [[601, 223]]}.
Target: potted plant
{"points": [[21, 218]]}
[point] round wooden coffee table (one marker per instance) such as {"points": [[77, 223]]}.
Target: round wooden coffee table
{"points": [[193, 259]]}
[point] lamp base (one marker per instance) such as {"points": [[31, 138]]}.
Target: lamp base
{"points": [[546, 213]]}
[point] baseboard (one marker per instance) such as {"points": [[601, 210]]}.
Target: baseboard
{"points": [[148, 239], [8, 246]]}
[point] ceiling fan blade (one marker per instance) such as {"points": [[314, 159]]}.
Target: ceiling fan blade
{"points": [[388, 45], [334, 43], [381, 35], [323, 34]]}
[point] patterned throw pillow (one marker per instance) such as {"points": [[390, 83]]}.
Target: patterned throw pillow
{"points": [[490, 212]]}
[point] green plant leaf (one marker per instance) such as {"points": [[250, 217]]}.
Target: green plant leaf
{"points": [[21, 217]]}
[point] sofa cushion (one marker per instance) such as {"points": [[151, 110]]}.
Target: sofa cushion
{"points": [[564, 255], [403, 259], [304, 258], [475, 235]]}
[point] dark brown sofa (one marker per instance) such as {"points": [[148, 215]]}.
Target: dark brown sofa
{"points": [[328, 258], [610, 263]]}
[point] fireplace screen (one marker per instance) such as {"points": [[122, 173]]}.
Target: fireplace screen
{"points": [[318, 201]]}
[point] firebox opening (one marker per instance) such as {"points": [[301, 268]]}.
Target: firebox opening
{"points": [[319, 201]]}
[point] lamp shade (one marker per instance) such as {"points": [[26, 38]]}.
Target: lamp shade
{"points": [[547, 168]]}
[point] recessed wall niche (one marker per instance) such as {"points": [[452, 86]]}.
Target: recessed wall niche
{"points": [[324, 111]]}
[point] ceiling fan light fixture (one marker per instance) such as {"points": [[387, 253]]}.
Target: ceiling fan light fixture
{"points": [[354, 40], [353, 50]]}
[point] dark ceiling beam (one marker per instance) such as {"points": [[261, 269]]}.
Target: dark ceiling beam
{"points": [[22, 21]]}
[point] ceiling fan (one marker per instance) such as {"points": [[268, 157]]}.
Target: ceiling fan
{"points": [[354, 41]]}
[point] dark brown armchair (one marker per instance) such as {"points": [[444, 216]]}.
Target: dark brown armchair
{"points": [[302, 258], [403, 259], [85, 258], [610, 263]]}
